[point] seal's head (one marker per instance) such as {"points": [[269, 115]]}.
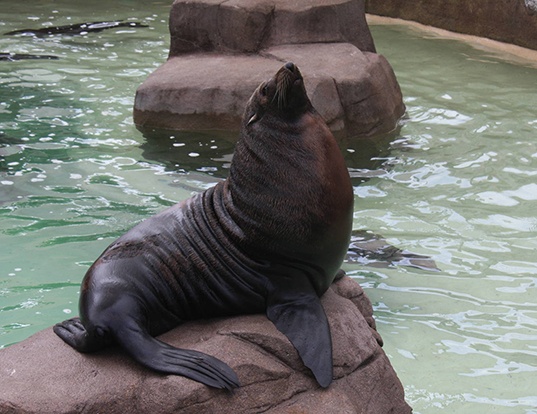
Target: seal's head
{"points": [[284, 96]]}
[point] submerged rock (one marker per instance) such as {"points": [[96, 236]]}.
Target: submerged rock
{"points": [[221, 51], [44, 375]]}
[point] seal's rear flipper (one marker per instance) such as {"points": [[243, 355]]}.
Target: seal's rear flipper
{"points": [[167, 359], [74, 334], [300, 316]]}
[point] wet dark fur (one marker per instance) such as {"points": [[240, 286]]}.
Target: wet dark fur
{"points": [[269, 239]]}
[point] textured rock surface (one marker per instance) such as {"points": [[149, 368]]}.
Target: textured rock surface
{"points": [[510, 21], [44, 375], [221, 51], [358, 94], [247, 26]]}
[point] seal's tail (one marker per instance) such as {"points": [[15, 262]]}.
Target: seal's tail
{"points": [[167, 359]]}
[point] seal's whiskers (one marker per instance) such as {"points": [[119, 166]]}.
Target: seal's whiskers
{"points": [[282, 88]]}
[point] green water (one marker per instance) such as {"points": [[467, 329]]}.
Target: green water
{"points": [[75, 174]]}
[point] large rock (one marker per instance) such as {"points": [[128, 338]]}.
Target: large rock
{"points": [[249, 26], [44, 375], [221, 51], [354, 91], [510, 21]]}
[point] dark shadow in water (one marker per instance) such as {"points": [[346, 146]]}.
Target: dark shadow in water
{"points": [[7, 141], [179, 151], [9, 146], [370, 157], [211, 152]]}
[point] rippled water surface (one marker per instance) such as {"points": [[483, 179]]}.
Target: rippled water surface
{"points": [[458, 183]]}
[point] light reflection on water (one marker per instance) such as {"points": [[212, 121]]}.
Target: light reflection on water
{"points": [[458, 184]]}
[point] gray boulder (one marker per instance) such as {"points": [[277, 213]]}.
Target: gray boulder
{"points": [[221, 51], [44, 375]]}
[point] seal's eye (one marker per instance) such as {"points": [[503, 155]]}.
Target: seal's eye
{"points": [[252, 119], [264, 91]]}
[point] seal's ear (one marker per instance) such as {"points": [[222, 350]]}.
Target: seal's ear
{"points": [[252, 119]]}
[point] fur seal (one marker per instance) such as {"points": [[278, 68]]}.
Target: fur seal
{"points": [[270, 238], [373, 250], [74, 29], [24, 56]]}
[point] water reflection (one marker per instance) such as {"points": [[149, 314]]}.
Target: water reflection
{"points": [[183, 152]]}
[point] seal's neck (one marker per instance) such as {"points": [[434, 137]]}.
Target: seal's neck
{"points": [[272, 166], [289, 188]]}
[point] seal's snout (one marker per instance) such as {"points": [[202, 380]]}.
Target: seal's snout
{"points": [[289, 87], [291, 69], [290, 66]]}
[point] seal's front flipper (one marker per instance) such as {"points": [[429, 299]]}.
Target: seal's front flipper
{"points": [[167, 359], [299, 315]]}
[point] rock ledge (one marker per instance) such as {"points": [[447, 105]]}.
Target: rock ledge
{"points": [[44, 375], [509, 21], [221, 51]]}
